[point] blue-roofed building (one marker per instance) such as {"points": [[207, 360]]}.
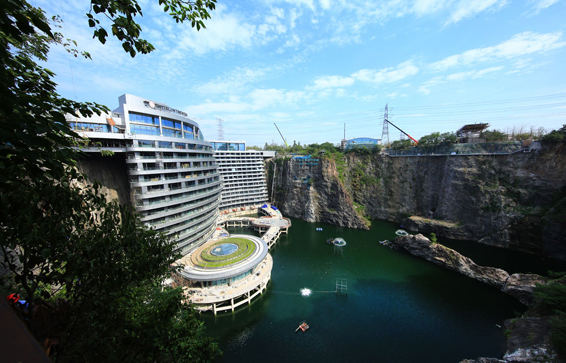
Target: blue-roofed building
{"points": [[365, 142]]}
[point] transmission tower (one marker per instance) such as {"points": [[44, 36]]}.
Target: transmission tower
{"points": [[220, 128], [385, 133]]}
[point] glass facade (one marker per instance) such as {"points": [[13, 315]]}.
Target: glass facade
{"points": [[170, 123], [146, 119], [88, 127], [175, 183], [228, 146], [172, 133], [365, 142], [144, 130]]}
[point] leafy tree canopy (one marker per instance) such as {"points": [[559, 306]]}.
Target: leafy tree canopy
{"points": [[90, 272], [122, 13], [438, 139], [494, 136], [555, 136], [401, 144]]}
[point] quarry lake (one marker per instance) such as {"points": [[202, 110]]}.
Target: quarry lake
{"points": [[398, 308]]}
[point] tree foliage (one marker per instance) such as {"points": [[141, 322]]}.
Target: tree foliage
{"points": [[494, 136], [555, 136], [122, 13], [438, 139], [551, 300], [89, 271], [401, 144]]}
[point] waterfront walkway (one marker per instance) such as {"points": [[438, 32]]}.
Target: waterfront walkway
{"points": [[227, 296], [272, 224]]}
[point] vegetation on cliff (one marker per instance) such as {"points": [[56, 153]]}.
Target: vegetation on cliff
{"points": [[551, 301], [89, 271], [555, 136]]}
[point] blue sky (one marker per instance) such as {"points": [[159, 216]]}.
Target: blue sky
{"points": [[312, 66]]}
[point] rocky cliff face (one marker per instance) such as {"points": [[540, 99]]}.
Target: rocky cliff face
{"points": [[514, 201], [314, 193], [110, 172], [520, 286], [528, 342]]}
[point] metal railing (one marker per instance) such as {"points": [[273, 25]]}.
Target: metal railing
{"points": [[499, 148]]}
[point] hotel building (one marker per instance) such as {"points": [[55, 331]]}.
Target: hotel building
{"points": [[174, 180], [243, 174]]}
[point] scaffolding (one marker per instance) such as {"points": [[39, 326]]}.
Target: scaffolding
{"points": [[341, 286]]}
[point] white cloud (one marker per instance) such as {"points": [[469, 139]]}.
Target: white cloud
{"points": [[426, 7], [518, 45], [222, 32], [215, 107], [225, 31], [543, 4], [296, 3], [471, 74], [387, 75], [325, 4], [232, 81], [256, 100], [467, 8], [456, 77], [331, 82], [278, 12]]}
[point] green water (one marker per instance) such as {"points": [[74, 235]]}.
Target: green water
{"points": [[398, 308]]}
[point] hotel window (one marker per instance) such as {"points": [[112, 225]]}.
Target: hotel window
{"points": [[144, 130], [146, 119], [146, 143], [166, 144], [172, 133], [170, 123], [83, 126]]}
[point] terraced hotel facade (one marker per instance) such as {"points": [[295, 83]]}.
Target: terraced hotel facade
{"points": [[243, 174], [174, 180]]}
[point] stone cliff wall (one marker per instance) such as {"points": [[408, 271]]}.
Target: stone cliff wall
{"points": [[313, 193], [110, 172], [514, 201]]}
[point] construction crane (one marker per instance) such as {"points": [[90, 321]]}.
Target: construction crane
{"points": [[285, 141], [409, 136]]}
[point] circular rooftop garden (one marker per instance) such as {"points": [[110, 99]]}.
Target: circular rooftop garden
{"points": [[223, 253]]}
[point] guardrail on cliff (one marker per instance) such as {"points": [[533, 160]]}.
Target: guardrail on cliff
{"points": [[460, 149]]}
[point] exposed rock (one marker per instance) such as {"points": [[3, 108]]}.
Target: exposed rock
{"points": [[513, 201], [529, 340], [442, 228], [520, 286], [314, 193], [111, 173]]}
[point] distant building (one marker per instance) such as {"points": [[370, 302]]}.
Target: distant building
{"points": [[365, 142], [471, 134], [242, 172]]}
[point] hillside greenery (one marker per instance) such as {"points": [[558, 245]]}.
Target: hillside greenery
{"points": [[91, 274]]}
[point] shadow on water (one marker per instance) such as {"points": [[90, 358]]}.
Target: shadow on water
{"points": [[398, 308]]}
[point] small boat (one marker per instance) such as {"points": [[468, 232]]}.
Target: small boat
{"points": [[401, 232], [303, 326], [336, 241]]}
